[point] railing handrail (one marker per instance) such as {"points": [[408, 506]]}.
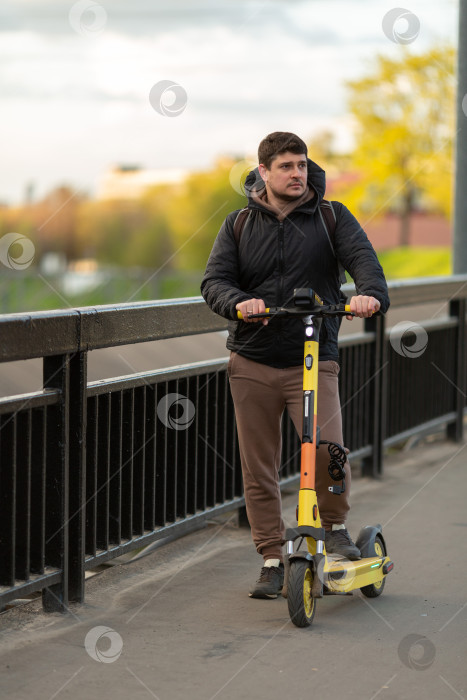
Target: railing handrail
{"points": [[46, 333], [423, 290]]}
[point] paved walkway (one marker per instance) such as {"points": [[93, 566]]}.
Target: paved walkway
{"points": [[186, 628]]}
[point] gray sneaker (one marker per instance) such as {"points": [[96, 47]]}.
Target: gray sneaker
{"points": [[340, 542], [270, 582]]}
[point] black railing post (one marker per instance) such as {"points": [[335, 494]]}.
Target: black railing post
{"points": [[57, 376], [455, 430], [243, 517], [8, 451], [65, 475], [77, 476], [376, 412]]}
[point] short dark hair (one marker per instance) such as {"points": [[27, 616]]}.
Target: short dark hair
{"points": [[279, 142]]}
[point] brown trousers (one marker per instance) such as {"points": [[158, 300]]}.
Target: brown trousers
{"points": [[260, 393]]}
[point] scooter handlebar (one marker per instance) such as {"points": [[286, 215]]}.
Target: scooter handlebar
{"points": [[335, 310], [267, 313]]}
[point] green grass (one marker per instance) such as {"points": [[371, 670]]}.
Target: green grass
{"points": [[416, 262], [23, 292]]}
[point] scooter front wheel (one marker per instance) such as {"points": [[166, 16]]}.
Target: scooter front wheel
{"points": [[373, 590], [299, 599]]}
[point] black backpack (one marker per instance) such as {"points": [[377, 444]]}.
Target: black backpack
{"points": [[328, 219]]}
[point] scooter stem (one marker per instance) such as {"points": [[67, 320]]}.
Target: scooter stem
{"points": [[310, 438]]}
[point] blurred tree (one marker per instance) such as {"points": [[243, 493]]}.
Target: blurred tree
{"points": [[196, 214], [50, 223], [152, 241], [55, 221], [127, 232], [169, 227], [322, 150], [404, 115]]}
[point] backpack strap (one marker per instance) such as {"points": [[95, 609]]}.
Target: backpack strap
{"points": [[328, 218], [329, 221], [239, 224]]}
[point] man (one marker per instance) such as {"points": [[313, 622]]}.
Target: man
{"points": [[284, 245]]}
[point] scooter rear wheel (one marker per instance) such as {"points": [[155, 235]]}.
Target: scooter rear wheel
{"points": [[300, 602], [375, 589]]}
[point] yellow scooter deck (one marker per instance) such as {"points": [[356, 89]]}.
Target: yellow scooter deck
{"points": [[341, 575]]}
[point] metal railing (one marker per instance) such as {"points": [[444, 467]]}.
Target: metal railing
{"points": [[89, 471]]}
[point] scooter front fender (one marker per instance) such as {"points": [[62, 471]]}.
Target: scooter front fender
{"points": [[366, 540]]}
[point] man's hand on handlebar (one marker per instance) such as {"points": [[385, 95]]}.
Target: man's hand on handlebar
{"points": [[363, 306], [252, 306]]}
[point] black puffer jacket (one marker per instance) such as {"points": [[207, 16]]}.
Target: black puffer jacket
{"points": [[273, 258]]}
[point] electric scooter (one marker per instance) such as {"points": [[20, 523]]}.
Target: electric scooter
{"points": [[312, 573]]}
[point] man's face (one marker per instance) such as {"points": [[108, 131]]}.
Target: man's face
{"points": [[287, 177]]}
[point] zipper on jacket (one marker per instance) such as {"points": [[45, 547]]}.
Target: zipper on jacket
{"points": [[280, 288], [281, 264]]}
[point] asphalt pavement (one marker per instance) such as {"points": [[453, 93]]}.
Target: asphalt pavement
{"points": [[179, 624]]}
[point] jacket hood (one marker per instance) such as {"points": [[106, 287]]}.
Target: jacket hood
{"points": [[316, 180]]}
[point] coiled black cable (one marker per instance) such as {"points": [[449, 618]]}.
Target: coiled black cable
{"points": [[338, 457]]}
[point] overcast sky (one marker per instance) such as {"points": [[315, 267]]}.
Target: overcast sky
{"points": [[75, 78]]}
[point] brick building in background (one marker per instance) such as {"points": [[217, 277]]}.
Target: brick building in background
{"points": [[426, 229]]}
